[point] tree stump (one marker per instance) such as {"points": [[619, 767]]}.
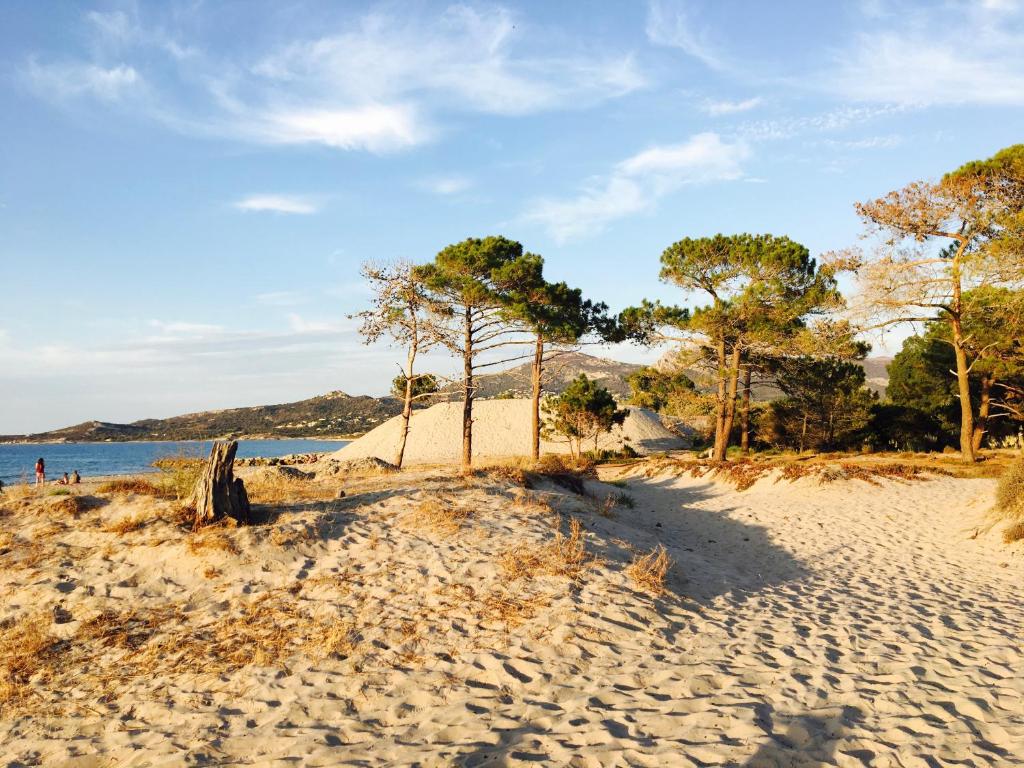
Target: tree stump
{"points": [[219, 494]]}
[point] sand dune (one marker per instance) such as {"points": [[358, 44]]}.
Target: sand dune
{"points": [[501, 428], [802, 625]]}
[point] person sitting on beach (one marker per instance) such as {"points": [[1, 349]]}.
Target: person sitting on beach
{"points": [[75, 478], [40, 471], [64, 480]]}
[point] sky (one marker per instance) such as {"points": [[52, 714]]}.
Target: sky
{"points": [[187, 189]]}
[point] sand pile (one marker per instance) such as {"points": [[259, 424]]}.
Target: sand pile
{"points": [[501, 428]]}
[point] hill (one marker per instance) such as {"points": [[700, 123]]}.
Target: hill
{"points": [[558, 373], [331, 415]]}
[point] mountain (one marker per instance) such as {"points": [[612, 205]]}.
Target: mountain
{"points": [[331, 415], [558, 373]]}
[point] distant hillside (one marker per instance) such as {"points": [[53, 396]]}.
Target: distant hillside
{"points": [[330, 415], [337, 414], [558, 372], [877, 375]]}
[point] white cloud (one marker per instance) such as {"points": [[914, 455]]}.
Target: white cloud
{"points": [[717, 108], [379, 83], [946, 55], [63, 81], [637, 183], [832, 121], [671, 23], [375, 127], [870, 142], [447, 185], [277, 204]]}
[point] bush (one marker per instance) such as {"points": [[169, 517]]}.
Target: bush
{"points": [[1010, 500]]}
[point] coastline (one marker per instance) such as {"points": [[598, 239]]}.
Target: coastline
{"points": [[252, 438]]}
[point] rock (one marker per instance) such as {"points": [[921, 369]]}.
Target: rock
{"points": [[341, 495], [295, 474], [369, 465]]}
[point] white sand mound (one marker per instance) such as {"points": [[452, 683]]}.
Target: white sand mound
{"points": [[501, 428]]}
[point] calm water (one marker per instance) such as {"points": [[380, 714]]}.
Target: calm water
{"points": [[18, 462]]}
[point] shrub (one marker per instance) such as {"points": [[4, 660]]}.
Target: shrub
{"points": [[137, 485], [648, 571], [1010, 501]]}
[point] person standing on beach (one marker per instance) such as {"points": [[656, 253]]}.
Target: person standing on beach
{"points": [[40, 471]]}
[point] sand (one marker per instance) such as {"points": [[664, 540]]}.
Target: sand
{"points": [[501, 429], [802, 625]]}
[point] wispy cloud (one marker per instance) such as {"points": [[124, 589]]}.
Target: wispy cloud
{"points": [[637, 183], [60, 81], [672, 23], [870, 142], [830, 121], [446, 185], [277, 204], [717, 108], [947, 54], [385, 81]]}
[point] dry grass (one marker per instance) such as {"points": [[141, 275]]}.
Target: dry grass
{"points": [[139, 486], [512, 610], [265, 487], [179, 475], [437, 516], [26, 651], [211, 539], [648, 571], [565, 556], [127, 524], [70, 506], [744, 473]]}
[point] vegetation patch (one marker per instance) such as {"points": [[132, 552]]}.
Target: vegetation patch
{"points": [[648, 571], [565, 556]]}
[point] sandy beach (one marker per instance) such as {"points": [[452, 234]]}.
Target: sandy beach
{"points": [[430, 619]]}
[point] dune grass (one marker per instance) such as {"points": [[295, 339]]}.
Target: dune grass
{"points": [[1010, 501], [648, 571], [436, 515], [565, 556]]}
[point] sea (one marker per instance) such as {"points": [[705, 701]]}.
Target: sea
{"points": [[17, 462]]}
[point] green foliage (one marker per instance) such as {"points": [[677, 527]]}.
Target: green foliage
{"points": [[904, 428], [656, 389], [584, 411], [827, 405], [920, 381], [423, 384], [481, 272]]}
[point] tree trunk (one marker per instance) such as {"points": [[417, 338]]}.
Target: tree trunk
{"points": [[984, 407], [406, 405], [962, 366], [722, 446], [219, 494], [745, 412], [803, 434], [467, 395], [719, 451], [535, 374]]}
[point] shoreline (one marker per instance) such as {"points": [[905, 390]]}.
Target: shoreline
{"points": [[331, 439]]}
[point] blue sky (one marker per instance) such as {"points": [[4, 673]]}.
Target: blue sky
{"points": [[187, 189]]}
